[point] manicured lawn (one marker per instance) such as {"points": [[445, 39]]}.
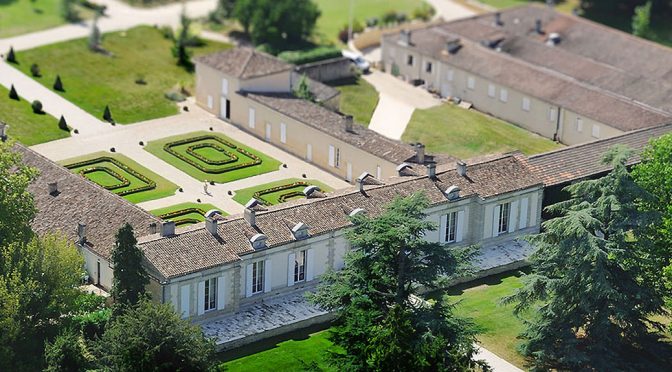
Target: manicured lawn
{"points": [[335, 14], [163, 187], [358, 98], [185, 214], [293, 355], [244, 195], [93, 80], [23, 16], [464, 133], [268, 164], [24, 125]]}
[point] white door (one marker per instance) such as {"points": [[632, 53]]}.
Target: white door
{"points": [[268, 132], [223, 102], [348, 175], [332, 156], [309, 152]]}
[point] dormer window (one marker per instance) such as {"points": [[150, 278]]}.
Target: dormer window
{"points": [[356, 212], [258, 241], [452, 193], [300, 231]]}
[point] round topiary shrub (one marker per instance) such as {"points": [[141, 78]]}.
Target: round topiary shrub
{"points": [[37, 106], [141, 143], [35, 70], [112, 149]]}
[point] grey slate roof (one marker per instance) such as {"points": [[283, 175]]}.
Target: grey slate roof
{"points": [[244, 63], [593, 71], [333, 124], [80, 201], [195, 249], [584, 160]]}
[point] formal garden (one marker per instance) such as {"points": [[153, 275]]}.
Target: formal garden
{"points": [[278, 192], [122, 176], [212, 157], [185, 214], [133, 72]]}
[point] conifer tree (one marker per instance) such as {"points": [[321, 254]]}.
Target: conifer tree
{"points": [[130, 277], [62, 124], [594, 309], [107, 115], [11, 57], [12, 93], [58, 84]]}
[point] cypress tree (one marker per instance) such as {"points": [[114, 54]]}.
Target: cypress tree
{"points": [[62, 124], [11, 57], [130, 277], [12, 93], [107, 115], [58, 85]]}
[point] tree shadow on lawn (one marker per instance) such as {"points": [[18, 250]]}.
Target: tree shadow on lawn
{"points": [[488, 281]]}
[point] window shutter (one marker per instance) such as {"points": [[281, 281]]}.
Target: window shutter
{"points": [[523, 213], [267, 276], [442, 228], [533, 210], [487, 221], [460, 227], [248, 281], [184, 300], [221, 293], [331, 156], [201, 297], [291, 259], [225, 87], [495, 220], [310, 268], [513, 216], [251, 118], [283, 132], [173, 298]]}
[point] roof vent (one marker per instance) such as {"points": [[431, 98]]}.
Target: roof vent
{"points": [[3, 131], [168, 228], [258, 241], [53, 188], [349, 121], [498, 19], [405, 37], [250, 214], [360, 181], [462, 168], [300, 231], [420, 153], [453, 45], [309, 190], [356, 212], [211, 225], [213, 213], [404, 169], [81, 233], [554, 39], [431, 170], [452, 193]]}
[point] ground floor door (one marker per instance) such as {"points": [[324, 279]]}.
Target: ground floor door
{"points": [[348, 175], [98, 272], [268, 132], [225, 108], [309, 152]]}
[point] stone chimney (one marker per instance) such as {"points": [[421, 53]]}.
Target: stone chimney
{"points": [[462, 168], [349, 121], [250, 216], [167, 228], [537, 27], [360, 181], [3, 131], [431, 171], [152, 228], [211, 226], [81, 232], [420, 153], [498, 19], [405, 37], [453, 45], [53, 188]]}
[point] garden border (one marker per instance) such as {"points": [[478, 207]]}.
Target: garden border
{"points": [[182, 212], [123, 181], [168, 147], [259, 195], [150, 185]]}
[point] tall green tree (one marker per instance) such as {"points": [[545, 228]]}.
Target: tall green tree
{"points": [[182, 41], [593, 308], [243, 11], [382, 324], [17, 208], [277, 22], [152, 337], [130, 277], [641, 21]]}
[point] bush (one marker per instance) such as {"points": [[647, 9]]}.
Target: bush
{"points": [[62, 124], [401, 17], [66, 353], [343, 35], [175, 96], [37, 106], [300, 57], [372, 22], [389, 17], [35, 70], [12, 93], [58, 84], [107, 115], [11, 57], [424, 12], [93, 324], [167, 32]]}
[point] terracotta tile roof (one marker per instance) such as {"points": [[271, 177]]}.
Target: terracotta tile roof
{"points": [[594, 71], [80, 201], [244, 63], [584, 160], [196, 249], [333, 123]]}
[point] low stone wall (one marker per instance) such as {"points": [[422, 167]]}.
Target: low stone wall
{"points": [[327, 70]]}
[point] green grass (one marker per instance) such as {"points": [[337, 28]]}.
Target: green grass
{"points": [[178, 207], [24, 125], [93, 80], [335, 14], [562, 5], [242, 196], [156, 148], [464, 133], [358, 98], [293, 355], [163, 187], [23, 16]]}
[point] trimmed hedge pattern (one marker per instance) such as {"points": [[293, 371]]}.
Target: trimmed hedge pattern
{"points": [[174, 215], [123, 181], [168, 147], [259, 195], [149, 184], [191, 150]]}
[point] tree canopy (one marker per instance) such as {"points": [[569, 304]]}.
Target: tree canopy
{"points": [[277, 22], [17, 208], [130, 277], [382, 323]]}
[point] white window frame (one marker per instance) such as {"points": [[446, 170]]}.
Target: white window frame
{"points": [[258, 272], [491, 91], [504, 218], [503, 95], [283, 132], [300, 261], [210, 294], [471, 82], [552, 114], [596, 131], [526, 104], [251, 117], [450, 233], [579, 125], [450, 74]]}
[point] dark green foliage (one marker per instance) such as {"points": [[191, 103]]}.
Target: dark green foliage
{"points": [[95, 36], [641, 21], [37, 107], [35, 70], [67, 353], [424, 12], [223, 11], [183, 40], [11, 56], [68, 11], [381, 323], [299, 57], [93, 324], [589, 280], [17, 207], [277, 22], [58, 84], [152, 337], [13, 94], [302, 89], [130, 277], [63, 125], [107, 115]]}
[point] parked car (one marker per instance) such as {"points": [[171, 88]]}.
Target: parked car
{"points": [[358, 60]]}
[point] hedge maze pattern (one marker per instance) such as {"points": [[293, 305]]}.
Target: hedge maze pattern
{"points": [[208, 165], [175, 216], [95, 166], [287, 192]]}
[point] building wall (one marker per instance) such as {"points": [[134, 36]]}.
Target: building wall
{"points": [[91, 265], [274, 83], [544, 118]]}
